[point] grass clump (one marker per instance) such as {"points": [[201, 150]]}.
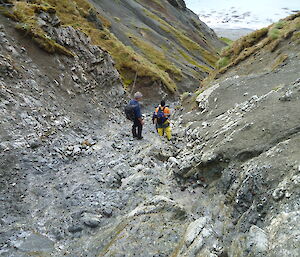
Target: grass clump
{"points": [[296, 36], [274, 33], [223, 62], [245, 42]]}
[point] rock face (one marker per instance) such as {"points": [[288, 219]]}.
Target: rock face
{"points": [[242, 139], [177, 3]]}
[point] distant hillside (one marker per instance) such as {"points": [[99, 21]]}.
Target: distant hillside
{"points": [[155, 44]]}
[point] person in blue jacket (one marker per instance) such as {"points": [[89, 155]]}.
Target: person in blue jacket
{"points": [[138, 122]]}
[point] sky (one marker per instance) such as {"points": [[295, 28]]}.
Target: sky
{"points": [[252, 14]]}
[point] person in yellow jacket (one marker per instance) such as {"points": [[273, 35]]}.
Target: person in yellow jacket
{"points": [[162, 120]]}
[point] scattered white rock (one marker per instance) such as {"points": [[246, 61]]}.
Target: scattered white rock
{"points": [[194, 230]]}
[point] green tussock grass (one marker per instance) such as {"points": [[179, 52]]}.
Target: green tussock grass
{"points": [[25, 13], [156, 56], [222, 62], [128, 62], [227, 41], [184, 40], [245, 42], [192, 61]]}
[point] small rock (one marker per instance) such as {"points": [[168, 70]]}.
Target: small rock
{"points": [[194, 230], [278, 194], [36, 243], [75, 228], [287, 96], [91, 220], [76, 149], [257, 241], [35, 144]]}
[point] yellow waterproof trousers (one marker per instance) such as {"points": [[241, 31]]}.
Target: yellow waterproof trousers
{"points": [[166, 130]]}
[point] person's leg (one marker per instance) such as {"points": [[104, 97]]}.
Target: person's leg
{"points": [[134, 126], [168, 131], [160, 131], [140, 129]]}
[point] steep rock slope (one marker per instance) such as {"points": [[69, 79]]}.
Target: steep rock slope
{"points": [[155, 44], [50, 104], [243, 139], [165, 32]]}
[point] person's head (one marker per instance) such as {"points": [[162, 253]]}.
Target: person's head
{"points": [[138, 96], [162, 103]]}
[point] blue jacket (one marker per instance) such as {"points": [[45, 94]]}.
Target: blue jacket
{"points": [[137, 109]]}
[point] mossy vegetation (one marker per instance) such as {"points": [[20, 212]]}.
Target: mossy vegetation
{"points": [[184, 40], [156, 57], [25, 14], [192, 61], [226, 40], [223, 62]]}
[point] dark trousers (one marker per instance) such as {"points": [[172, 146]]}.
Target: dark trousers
{"points": [[137, 128]]}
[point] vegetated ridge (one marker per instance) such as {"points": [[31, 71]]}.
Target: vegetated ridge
{"points": [[155, 44]]}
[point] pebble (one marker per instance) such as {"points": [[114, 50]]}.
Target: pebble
{"points": [[75, 228], [91, 220], [278, 194]]}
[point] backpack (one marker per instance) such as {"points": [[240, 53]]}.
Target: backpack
{"points": [[161, 116], [129, 112]]}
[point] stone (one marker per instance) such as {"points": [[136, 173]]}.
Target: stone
{"points": [[75, 229], [35, 243], [194, 230], [278, 194], [257, 241], [35, 144], [91, 220], [77, 149]]}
